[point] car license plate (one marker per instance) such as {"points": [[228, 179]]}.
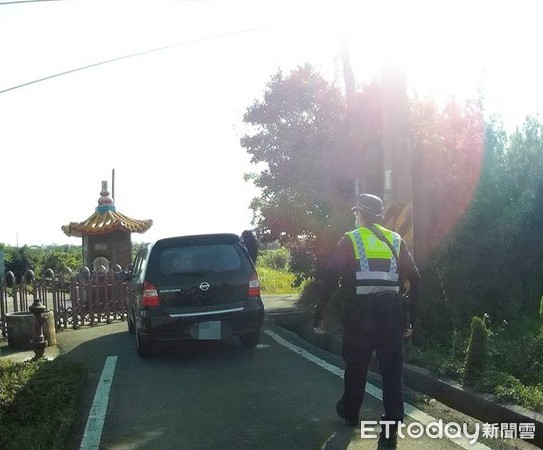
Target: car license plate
{"points": [[207, 330]]}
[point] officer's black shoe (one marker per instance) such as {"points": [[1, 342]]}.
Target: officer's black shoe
{"points": [[390, 439], [352, 423], [388, 442], [340, 410]]}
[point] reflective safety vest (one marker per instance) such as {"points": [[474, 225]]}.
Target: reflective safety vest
{"points": [[367, 246]]}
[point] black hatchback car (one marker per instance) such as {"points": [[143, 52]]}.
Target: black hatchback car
{"points": [[202, 287]]}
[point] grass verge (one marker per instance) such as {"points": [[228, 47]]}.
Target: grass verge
{"points": [[38, 402], [506, 387], [273, 281]]}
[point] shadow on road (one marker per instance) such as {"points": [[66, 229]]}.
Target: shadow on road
{"points": [[239, 397]]}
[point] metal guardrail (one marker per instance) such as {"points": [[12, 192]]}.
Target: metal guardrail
{"points": [[85, 298]]}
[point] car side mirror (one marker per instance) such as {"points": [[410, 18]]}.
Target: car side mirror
{"points": [[124, 276], [251, 244]]}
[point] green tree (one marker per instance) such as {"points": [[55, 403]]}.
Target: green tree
{"points": [[18, 261], [527, 158], [494, 241], [448, 147], [297, 130], [276, 259], [40, 258], [136, 247], [464, 259], [59, 259]]}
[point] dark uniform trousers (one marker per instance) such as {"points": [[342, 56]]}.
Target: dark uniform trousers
{"points": [[373, 323]]}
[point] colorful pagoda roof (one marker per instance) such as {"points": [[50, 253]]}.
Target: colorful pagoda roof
{"points": [[106, 219]]}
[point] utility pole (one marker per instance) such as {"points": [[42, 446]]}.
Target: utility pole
{"points": [[397, 163], [350, 97], [396, 166], [113, 185], [348, 75]]}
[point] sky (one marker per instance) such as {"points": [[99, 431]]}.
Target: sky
{"points": [[157, 89]]}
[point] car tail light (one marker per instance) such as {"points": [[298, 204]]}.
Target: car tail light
{"points": [[150, 295], [254, 286]]}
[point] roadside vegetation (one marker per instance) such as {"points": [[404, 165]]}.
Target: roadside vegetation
{"points": [[273, 266], [39, 402], [477, 198], [509, 366], [58, 258]]}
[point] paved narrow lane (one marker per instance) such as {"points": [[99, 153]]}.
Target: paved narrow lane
{"points": [[220, 395]]}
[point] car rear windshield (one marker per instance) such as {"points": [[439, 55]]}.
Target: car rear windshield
{"points": [[199, 258]]}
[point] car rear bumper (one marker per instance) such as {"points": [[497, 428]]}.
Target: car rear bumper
{"points": [[158, 326]]}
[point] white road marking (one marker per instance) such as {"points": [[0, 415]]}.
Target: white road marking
{"points": [[410, 410], [97, 415]]}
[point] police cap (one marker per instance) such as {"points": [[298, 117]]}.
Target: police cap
{"points": [[370, 206]]}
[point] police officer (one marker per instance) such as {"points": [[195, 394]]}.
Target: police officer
{"points": [[370, 265]]}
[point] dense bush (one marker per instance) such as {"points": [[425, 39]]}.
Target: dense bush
{"points": [[277, 259], [39, 402], [513, 370], [519, 355], [476, 353], [311, 293], [276, 281], [510, 389], [438, 359], [273, 272]]}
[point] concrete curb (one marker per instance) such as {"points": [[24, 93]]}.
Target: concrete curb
{"points": [[448, 392], [482, 407]]}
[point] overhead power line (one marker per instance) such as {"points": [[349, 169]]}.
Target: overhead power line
{"points": [[132, 55], [26, 1]]}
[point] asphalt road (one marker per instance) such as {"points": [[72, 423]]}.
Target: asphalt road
{"points": [[220, 395]]}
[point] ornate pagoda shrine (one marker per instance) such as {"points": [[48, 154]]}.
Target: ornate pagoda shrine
{"points": [[106, 234]]}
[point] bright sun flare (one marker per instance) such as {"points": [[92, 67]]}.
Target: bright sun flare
{"points": [[461, 49]]}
